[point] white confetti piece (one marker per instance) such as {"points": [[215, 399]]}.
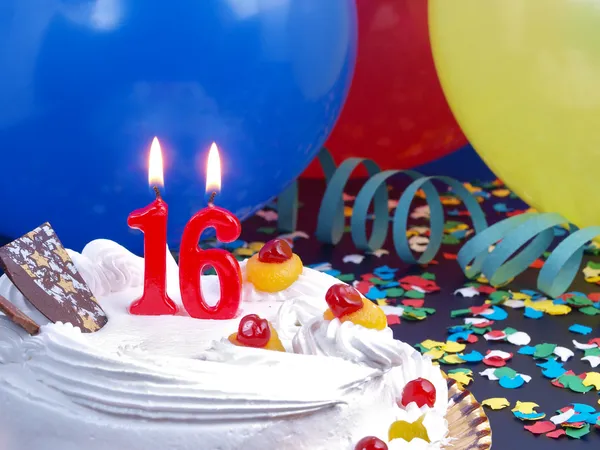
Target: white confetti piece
{"points": [[269, 216], [418, 244], [489, 374], [355, 259], [380, 252], [526, 378], [593, 360], [519, 338], [421, 212], [485, 312], [467, 292], [389, 309], [514, 304], [564, 353], [562, 418], [475, 320], [499, 354], [492, 337], [581, 346]]}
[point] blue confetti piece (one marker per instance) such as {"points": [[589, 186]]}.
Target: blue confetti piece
{"points": [[559, 231], [583, 408], [512, 383], [597, 305], [527, 350], [502, 208], [390, 285], [453, 212], [384, 269], [462, 335], [552, 369], [386, 276], [593, 418], [473, 356], [529, 416], [533, 294], [458, 329], [559, 301], [533, 313], [332, 272], [459, 234], [497, 314], [375, 294], [580, 329]]}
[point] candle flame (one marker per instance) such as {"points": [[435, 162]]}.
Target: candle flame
{"points": [[213, 170], [155, 165]]}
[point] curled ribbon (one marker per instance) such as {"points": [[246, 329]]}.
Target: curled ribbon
{"points": [[518, 240]]}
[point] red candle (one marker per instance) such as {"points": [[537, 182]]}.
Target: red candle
{"points": [[152, 221], [192, 259]]}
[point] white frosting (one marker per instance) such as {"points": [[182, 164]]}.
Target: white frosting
{"points": [[176, 382], [374, 348]]}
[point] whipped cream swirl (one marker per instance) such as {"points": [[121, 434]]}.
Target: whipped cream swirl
{"points": [[374, 348]]}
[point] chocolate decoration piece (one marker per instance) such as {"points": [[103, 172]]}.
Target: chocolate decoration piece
{"points": [[40, 267], [18, 317]]}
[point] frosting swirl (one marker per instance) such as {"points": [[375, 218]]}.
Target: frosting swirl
{"points": [[374, 348], [295, 313]]}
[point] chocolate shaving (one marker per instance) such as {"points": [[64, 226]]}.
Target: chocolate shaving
{"points": [[40, 267], [18, 317]]}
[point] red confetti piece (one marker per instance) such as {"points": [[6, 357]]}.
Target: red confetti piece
{"points": [[393, 319], [594, 341], [537, 264], [573, 425], [496, 334], [450, 256], [494, 361], [363, 287], [413, 280], [556, 433], [484, 289], [594, 296], [485, 324], [415, 303], [565, 409], [541, 427], [516, 212], [367, 276], [472, 339], [566, 296], [479, 309]]}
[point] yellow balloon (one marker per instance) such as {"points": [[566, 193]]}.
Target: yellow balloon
{"points": [[523, 80]]}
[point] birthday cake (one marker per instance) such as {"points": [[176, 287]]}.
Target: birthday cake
{"points": [[307, 363]]}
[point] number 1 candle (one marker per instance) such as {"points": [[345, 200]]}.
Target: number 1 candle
{"points": [[152, 220], [192, 259]]}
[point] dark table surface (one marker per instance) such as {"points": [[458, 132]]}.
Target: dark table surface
{"points": [[506, 428]]}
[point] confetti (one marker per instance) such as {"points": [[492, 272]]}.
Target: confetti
{"points": [[496, 403], [512, 383], [354, 259], [541, 427], [519, 338], [591, 379], [580, 329], [533, 313], [467, 292], [563, 353], [556, 433]]}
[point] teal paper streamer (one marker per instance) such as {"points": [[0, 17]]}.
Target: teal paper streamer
{"points": [[518, 240]]}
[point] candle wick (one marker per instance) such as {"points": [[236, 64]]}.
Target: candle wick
{"points": [[212, 198], [158, 196]]}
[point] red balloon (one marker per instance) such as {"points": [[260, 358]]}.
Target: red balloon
{"points": [[396, 112]]}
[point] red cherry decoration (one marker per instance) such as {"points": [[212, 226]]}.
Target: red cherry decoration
{"points": [[371, 443], [343, 299], [275, 251], [254, 331], [420, 391]]}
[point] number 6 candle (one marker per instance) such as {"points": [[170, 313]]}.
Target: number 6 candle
{"points": [[192, 259], [152, 220]]}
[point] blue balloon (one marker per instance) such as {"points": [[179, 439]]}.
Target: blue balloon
{"points": [[85, 85]]}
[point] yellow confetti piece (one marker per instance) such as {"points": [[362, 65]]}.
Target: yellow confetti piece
{"points": [[381, 301], [559, 310], [452, 359], [429, 344], [520, 296], [501, 193], [411, 233], [463, 378], [548, 307], [592, 379], [242, 251], [458, 227], [525, 407], [347, 211], [453, 201], [496, 403], [256, 246], [454, 347], [435, 353]]}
